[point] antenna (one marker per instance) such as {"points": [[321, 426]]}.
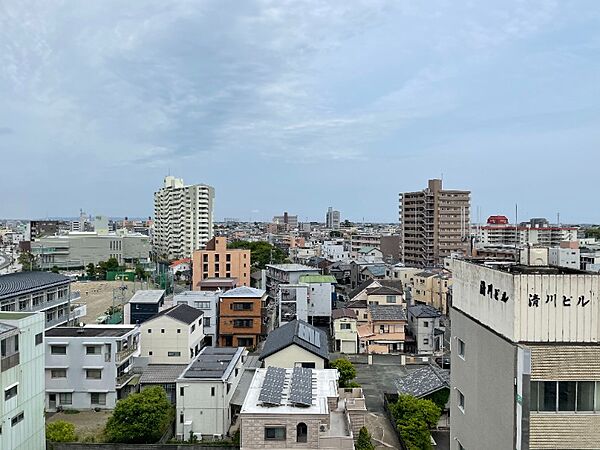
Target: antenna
{"points": [[516, 223]]}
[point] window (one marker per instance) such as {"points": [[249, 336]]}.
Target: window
{"points": [[228, 257], [301, 432], [93, 374], [93, 350], [178, 330], [242, 323], [461, 348], [58, 349], [65, 398], [461, 401], [238, 306], [205, 258], [425, 341], [150, 353], [16, 419], [585, 396], [207, 321], [174, 354], [193, 327], [212, 391], [10, 393], [274, 433], [98, 398], [149, 330], [162, 330], [39, 338], [566, 395], [345, 326], [181, 418], [58, 373], [388, 299], [547, 395], [556, 396], [181, 391], [426, 324]]}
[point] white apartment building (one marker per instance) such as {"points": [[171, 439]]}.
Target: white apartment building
{"points": [[78, 249], [183, 218], [173, 336], [567, 255], [207, 302], [205, 390], [332, 219], [335, 251], [310, 300], [22, 425], [88, 367]]}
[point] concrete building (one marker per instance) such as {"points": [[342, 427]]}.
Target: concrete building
{"points": [[300, 408], [143, 305], [22, 422], [296, 344], [332, 219], [183, 218], [358, 241], [524, 357], [78, 249], [566, 255], [39, 228], [173, 336], [334, 251], [241, 317], [45, 292], [431, 288], [208, 303], [434, 224], [425, 326], [89, 367], [217, 261], [288, 221], [344, 330], [277, 274], [204, 393], [292, 302]]}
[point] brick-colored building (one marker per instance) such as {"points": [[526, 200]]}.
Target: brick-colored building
{"points": [[217, 261], [240, 317]]}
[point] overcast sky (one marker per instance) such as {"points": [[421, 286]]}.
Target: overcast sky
{"points": [[299, 105]]}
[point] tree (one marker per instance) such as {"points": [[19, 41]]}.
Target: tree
{"points": [[54, 269], [593, 232], [60, 431], [364, 440], [28, 261], [140, 418], [346, 223], [261, 253], [335, 234], [90, 270], [414, 417], [346, 370], [112, 264], [140, 273]]}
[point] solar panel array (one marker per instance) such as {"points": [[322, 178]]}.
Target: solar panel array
{"points": [[272, 388], [309, 335], [301, 387]]}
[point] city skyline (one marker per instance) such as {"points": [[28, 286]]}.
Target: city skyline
{"points": [[300, 106]]}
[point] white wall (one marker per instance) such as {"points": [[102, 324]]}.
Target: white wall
{"points": [[177, 337], [290, 356]]}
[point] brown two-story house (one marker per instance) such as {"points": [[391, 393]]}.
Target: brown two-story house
{"points": [[218, 261], [240, 317]]}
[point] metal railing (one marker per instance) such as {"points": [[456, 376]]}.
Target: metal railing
{"points": [[121, 355]]}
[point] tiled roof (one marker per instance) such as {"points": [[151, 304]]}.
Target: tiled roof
{"points": [[161, 373], [423, 311], [244, 291], [343, 312], [387, 312], [182, 313], [21, 282], [383, 290], [423, 381], [288, 334]]}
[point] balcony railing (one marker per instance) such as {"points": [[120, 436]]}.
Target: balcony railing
{"points": [[123, 354], [125, 377], [9, 362]]}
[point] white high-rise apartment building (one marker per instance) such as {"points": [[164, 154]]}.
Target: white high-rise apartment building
{"points": [[183, 218], [332, 219]]}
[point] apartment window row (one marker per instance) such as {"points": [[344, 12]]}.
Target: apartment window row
{"points": [[565, 396], [17, 419], [241, 306], [242, 323]]}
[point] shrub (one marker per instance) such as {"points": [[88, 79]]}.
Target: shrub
{"points": [[364, 440], [60, 431], [346, 370], [414, 417]]}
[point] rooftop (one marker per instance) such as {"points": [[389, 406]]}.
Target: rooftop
{"points": [[387, 312], [161, 373], [300, 333], [182, 313], [293, 267], [244, 291], [148, 296], [423, 311], [213, 281], [91, 331], [365, 250], [317, 279], [5, 328], [384, 290], [423, 381], [22, 282], [213, 363], [343, 312]]}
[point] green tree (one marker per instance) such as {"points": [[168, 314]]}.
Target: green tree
{"points": [[335, 234], [593, 232], [60, 431], [261, 253], [28, 261], [54, 269], [90, 270], [415, 434], [414, 417], [364, 440], [140, 418], [140, 273], [346, 370], [112, 264], [346, 223]]}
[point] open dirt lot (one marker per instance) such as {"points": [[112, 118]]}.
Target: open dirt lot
{"points": [[98, 295], [88, 424]]}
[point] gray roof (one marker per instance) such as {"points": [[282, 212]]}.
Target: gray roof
{"points": [[22, 282], [377, 270], [213, 363], [148, 296], [343, 312], [384, 290], [181, 312], [161, 373], [289, 334], [242, 389], [294, 267], [89, 331], [244, 291], [424, 311], [4, 328], [387, 312], [423, 381]]}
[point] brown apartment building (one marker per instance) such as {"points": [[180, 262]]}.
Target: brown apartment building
{"points": [[240, 317], [434, 223], [217, 261]]}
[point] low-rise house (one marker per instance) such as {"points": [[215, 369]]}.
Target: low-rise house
{"points": [[22, 425], [207, 302], [384, 295], [163, 375], [143, 305], [89, 367], [384, 332], [345, 331], [300, 408], [205, 390], [367, 293], [240, 317], [424, 324], [173, 336], [296, 344], [424, 381], [181, 269], [369, 254], [321, 297]]}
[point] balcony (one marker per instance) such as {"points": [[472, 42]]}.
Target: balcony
{"points": [[78, 310], [9, 362], [126, 353], [124, 378]]}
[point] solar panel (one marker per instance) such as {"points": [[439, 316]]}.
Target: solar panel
{"points": [[272, 388], [301, 387], [309, 335]]}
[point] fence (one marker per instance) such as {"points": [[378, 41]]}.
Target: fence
{"points": [[82, 446]]}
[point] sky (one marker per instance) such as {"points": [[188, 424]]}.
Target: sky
{"points": [[300, 105]]}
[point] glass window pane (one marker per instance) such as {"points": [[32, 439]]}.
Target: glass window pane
{"points": [[585, 396], [547, 395], [566, 395], [597, 395], [533, 396]]}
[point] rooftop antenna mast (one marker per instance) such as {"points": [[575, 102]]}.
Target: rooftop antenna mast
{"points": [[516, 224]]}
